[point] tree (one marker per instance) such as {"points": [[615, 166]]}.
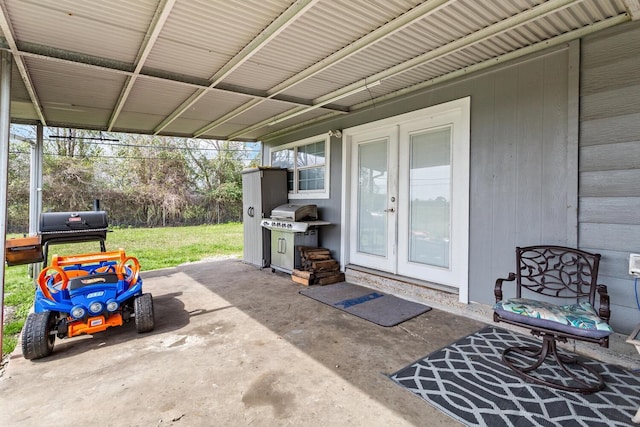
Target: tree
{"points": [[139, 179], [156, 179], [76, 143], [69, 182], [218, 178]]}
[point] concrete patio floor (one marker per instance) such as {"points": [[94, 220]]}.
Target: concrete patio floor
{"points": [[233, 345]]}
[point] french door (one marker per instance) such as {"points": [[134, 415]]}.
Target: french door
{"points": [[409, 192]]}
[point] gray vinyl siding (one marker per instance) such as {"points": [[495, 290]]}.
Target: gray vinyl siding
{"points": [[522, 177], [609, 190], [520, 168]]}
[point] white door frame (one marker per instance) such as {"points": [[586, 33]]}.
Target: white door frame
{"points": [[460, 180]]}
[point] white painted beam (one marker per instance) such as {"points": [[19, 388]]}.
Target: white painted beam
{"points": [[633, 8], [159, 19], [419, 12], [529, 50], [522, 18], [280, 24], [301, 110], [532, 49], [5, 25], [112, 68]]}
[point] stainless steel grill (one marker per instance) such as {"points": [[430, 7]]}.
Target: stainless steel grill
{"points": [[295, 212], [291, 226]]}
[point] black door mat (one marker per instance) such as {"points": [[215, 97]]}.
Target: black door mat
{"points": [[368, 304]]}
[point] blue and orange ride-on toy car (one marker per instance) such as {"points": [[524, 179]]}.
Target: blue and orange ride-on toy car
{"points": [[85, 294]]}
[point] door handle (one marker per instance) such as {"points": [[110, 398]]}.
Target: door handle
{"points": [[250, 211], [391, 210], [282, 245]]}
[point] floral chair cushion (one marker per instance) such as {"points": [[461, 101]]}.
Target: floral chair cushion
{"points": [[578, 319]]}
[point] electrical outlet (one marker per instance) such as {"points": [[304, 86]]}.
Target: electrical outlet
{"points": [[634, 264]]}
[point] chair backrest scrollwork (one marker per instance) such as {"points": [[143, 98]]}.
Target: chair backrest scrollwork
{"points": [[557, 271]]}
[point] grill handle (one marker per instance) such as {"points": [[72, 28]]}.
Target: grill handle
{"points": [[250, 211], [72, 224]]}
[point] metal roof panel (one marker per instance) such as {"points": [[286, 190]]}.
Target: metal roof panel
{"points": [[128, 121], [113, 29], [64, 84], [155, 97], [215, 103], [201, 36], [322, 31]]}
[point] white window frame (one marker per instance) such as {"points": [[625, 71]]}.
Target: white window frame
{"points": [[308, 194]]}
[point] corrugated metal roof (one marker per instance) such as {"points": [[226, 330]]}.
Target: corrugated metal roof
{"points": [[155, 97], [114, 30], [63, 83], [248, 69]]}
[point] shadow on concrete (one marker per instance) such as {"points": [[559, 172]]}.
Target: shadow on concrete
{"points": [[170, 315], [359, 351]]}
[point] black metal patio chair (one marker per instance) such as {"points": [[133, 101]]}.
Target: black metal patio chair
{"points": [[555, 296]]}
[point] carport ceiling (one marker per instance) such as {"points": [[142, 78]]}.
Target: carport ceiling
{"points": [[252, 69]]}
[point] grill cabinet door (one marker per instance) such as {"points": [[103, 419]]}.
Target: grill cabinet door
{"points": [[282, 250]]}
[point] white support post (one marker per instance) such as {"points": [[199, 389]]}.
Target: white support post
{"points": [[5, 121], [35, 190]]}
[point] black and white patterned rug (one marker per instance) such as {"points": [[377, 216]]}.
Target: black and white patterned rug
{"points": [[468, 381]]}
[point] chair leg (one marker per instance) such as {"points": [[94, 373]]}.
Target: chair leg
{"points": [[575, 383]]}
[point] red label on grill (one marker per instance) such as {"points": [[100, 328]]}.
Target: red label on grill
{"points": [[75, 219]]}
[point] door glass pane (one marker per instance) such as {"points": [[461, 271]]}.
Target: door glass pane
{"points": [[372, 198], [430, 198]]}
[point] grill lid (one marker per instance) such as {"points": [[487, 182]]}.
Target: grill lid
{"points": [[295, 212], [74, 222], [72, 227]]}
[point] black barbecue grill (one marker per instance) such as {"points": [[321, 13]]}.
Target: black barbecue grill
{"points": [[73, 227]]}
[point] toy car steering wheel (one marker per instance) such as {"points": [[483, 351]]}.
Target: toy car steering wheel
{"points": [[45, 281], [104, 267], [130, 273]]}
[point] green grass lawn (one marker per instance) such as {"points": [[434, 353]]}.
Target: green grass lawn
{"points": [[154, 247]]}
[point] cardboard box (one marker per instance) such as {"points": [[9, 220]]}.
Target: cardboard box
{"points": [[23, 250]]}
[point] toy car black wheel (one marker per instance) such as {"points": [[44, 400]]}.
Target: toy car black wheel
{"points": [[37, 335], [143, 313]]}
